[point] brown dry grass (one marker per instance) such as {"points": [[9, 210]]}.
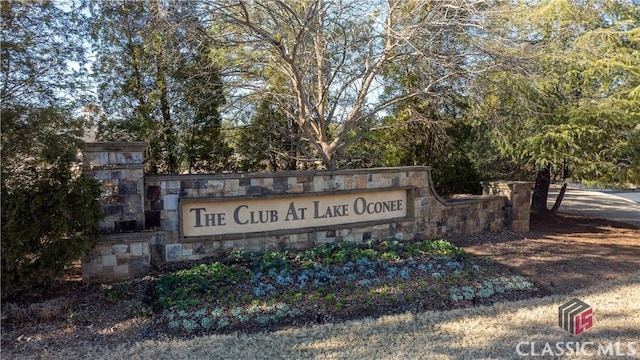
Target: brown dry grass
{"points": [[594, 260], [473, 333]]}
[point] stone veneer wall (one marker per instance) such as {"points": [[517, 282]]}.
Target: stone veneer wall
{"points": [[117, 256], [119, 167], [518, 203], [122, 250], [158, 240]]}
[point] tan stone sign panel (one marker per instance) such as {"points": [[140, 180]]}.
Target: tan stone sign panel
{"points": [[202, 218]]}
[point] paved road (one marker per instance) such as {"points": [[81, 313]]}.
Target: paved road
{"points": [[616, 206], [630, 195]]}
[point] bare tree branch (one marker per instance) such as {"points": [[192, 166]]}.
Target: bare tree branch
{"points": [[332, 65]]}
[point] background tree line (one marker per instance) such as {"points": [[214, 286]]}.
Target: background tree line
{"points": [[497, 89]]}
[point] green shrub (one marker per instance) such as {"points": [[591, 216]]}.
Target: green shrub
{"points": [[50, 212], [46, 225], [434, 248], [115, 293], [274, 260], [455, 173], [177, 289], [137, 309]]}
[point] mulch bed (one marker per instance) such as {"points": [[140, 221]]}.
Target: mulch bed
{"points": [[560, 254]]}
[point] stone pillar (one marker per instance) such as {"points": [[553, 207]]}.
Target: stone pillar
{"points": [[122, 250], [119, 167], [518, 203]]}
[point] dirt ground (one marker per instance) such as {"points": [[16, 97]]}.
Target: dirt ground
{"points": [[562, 254]]}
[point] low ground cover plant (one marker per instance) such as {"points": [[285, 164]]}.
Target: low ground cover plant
{"points": [[330, 282]]}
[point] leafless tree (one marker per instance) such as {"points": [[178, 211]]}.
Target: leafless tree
{"points": [[333, 65]]}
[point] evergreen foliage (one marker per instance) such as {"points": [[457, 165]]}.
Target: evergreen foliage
{"points": [[157, 83], [437, 135], [569, 98], [45, 227], [50, 212], [269, 141]]}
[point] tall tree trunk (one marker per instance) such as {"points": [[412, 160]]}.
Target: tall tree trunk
{"points": [[556, 206], [133, 51], [541, 193], [170, 143]]}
